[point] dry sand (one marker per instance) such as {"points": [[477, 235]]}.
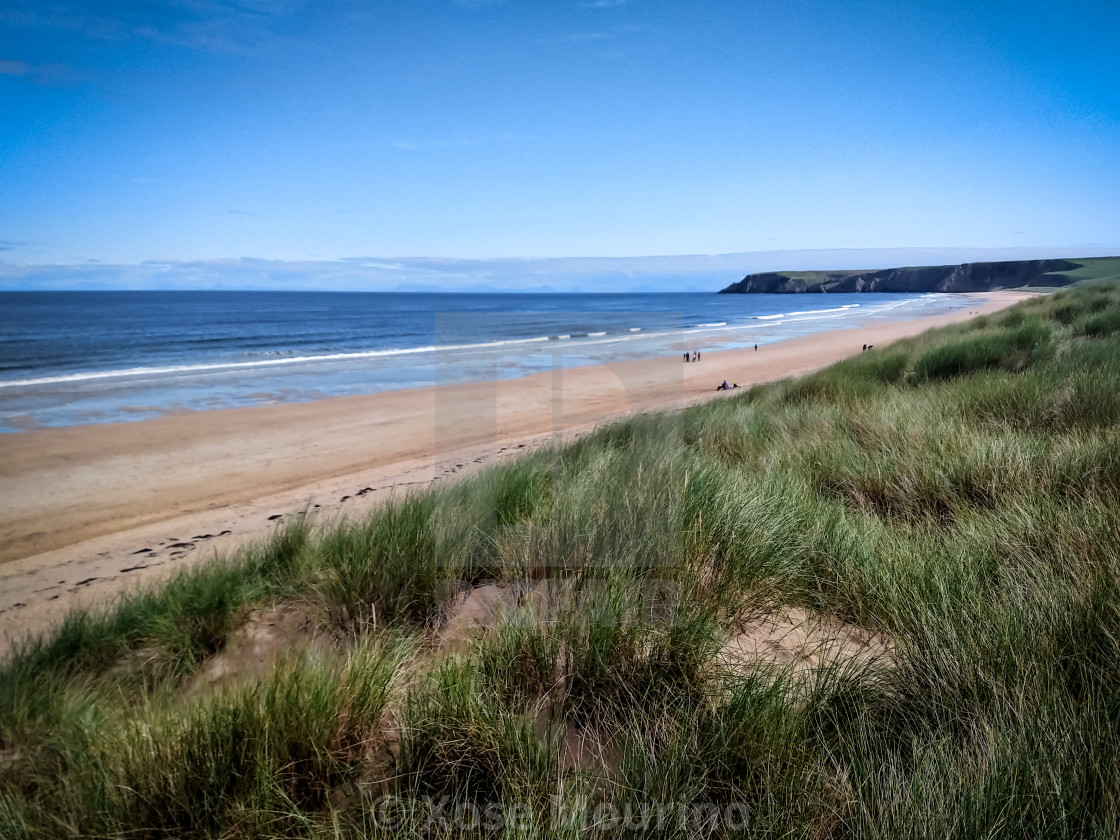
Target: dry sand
{"points": [[88, 512]]}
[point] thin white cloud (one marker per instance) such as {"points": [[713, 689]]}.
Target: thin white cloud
{"points": [[592, 36], [210, 25], [434, 143], [276, 8], [40, 74], [14, 68]]}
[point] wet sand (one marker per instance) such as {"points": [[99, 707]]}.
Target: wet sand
{"points": [[87, 512]]}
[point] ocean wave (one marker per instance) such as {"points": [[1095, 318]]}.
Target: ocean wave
{"points": [[258, 363], [844, 308]]}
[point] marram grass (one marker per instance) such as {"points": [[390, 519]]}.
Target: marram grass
{"points": [[956, 493]]}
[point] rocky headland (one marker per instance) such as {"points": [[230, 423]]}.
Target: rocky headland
{"points": [[969, 277]]}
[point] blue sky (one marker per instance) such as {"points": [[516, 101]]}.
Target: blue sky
{"points": [[195, 130]]}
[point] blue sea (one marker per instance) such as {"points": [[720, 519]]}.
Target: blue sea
{"points": [[71, 358]]}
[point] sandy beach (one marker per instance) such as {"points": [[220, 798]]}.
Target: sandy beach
{"points": [[88, 512]]}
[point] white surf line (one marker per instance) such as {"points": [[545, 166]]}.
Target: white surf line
{"points": [[290, 360]]}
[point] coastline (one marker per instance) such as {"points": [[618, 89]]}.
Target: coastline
{"points": [[130, 503]]}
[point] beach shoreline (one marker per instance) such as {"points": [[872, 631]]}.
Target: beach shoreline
{"points": [[89, 512]]}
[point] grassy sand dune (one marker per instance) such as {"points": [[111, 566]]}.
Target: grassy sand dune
{"points": [[882, 600]]}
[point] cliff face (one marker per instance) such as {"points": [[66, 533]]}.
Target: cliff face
{"points": [[970, 277]]}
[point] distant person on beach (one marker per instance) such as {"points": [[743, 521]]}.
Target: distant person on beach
{"points": [[756, 348]]}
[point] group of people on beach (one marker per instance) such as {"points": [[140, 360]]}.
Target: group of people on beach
{"points": [[694, 356]]}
